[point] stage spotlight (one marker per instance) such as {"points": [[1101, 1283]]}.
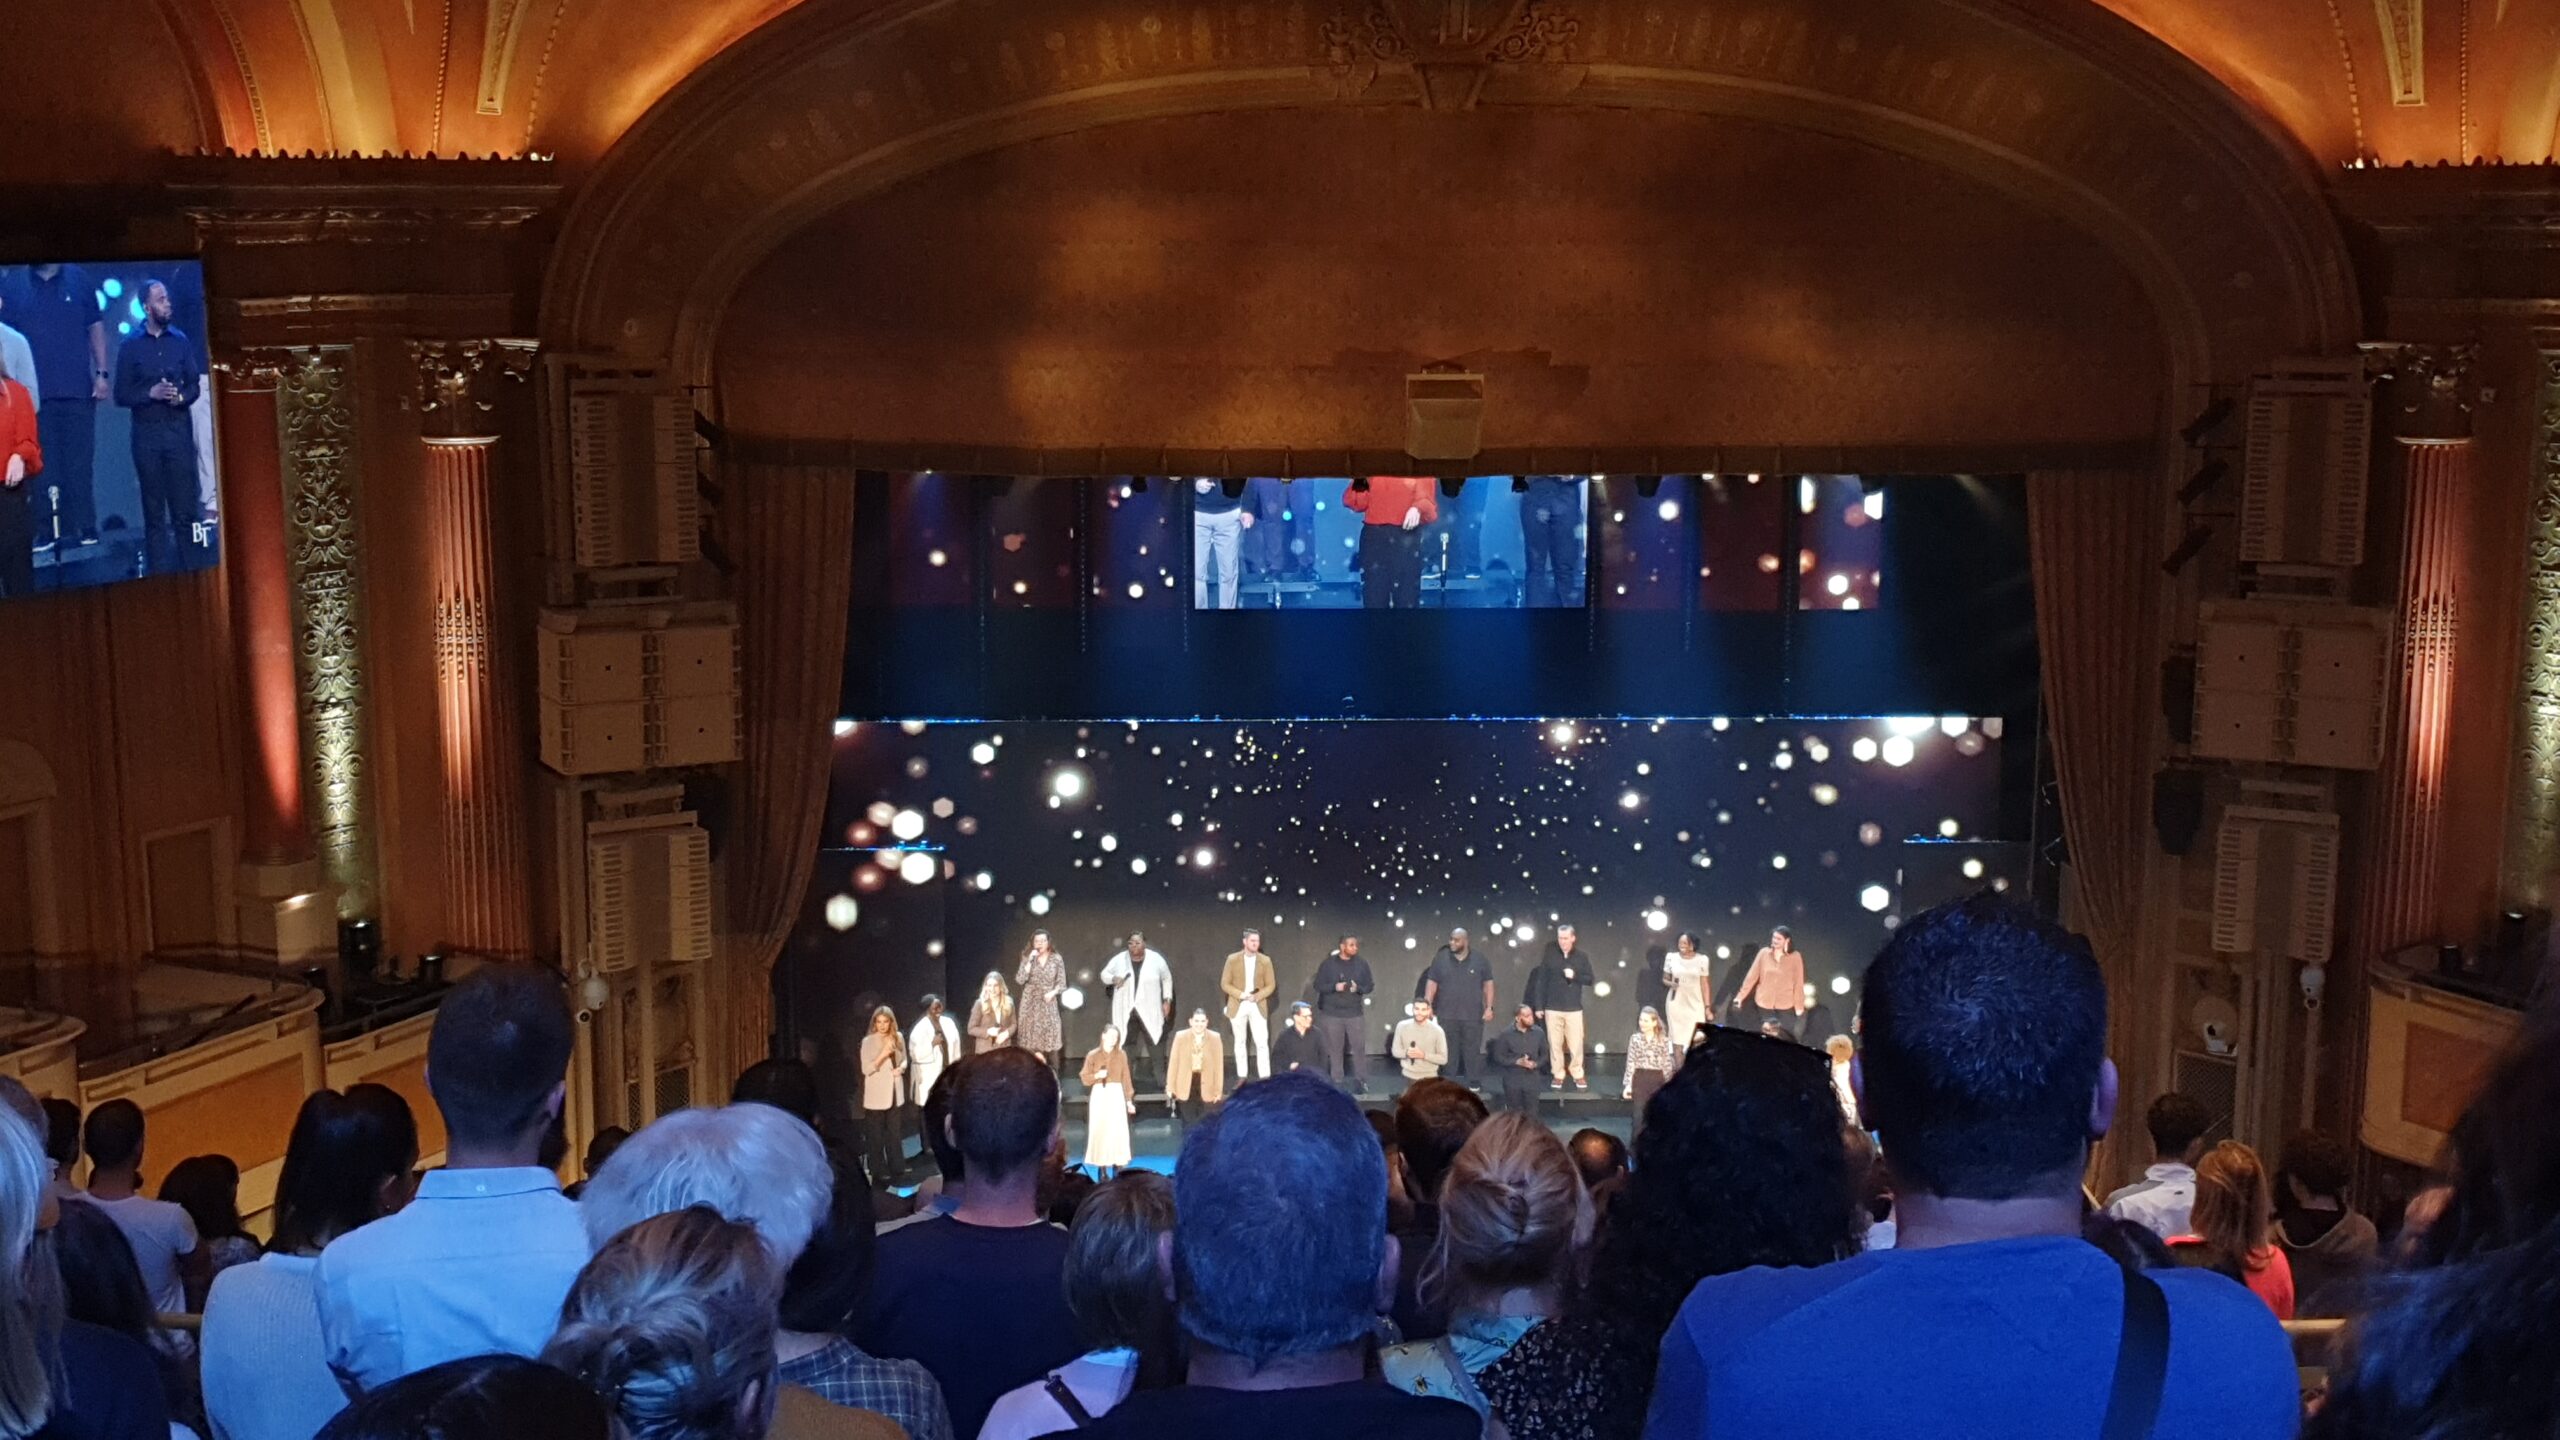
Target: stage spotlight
{"points": [[1875, 898], [1839, 984], [1973, 869], [1233, 486], [2207, 421], [983, 753], [1067, 783], [1656, 920], [918, 867], [2197, 538], [843, 912], [1450, 488], [1898, 751], [1037, 905], [2207, 476], [907, 825], [1648, 486]]}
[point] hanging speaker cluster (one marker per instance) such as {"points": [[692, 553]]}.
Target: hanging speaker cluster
{"points": [[1444, 415]]}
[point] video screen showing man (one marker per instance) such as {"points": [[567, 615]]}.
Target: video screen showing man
{"points": [[157, 379]]}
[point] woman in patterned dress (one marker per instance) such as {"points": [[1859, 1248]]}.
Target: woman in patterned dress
{"points": [[1651, 1057], [1042, 977]]}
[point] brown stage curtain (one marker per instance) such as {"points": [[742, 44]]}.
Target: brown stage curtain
{"points": [[790, 531], [2095, 547]]}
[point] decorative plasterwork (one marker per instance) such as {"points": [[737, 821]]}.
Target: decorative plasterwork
{"points": [[2430, 391], [2404, 48], [498, 42], [316, 414], [457, 383], [290, 200], [2533, 786]]}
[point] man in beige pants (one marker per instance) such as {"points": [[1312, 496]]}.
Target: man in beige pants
{"points": [[1555, 992]]}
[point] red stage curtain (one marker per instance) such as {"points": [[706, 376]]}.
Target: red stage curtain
{"points": [[2095, 546], [790, 529]]}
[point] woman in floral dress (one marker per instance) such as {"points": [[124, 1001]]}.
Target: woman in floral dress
{"points": [[1041, 979]]}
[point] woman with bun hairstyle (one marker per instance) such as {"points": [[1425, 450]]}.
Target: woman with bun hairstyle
{"points": [[1514, 1220]]}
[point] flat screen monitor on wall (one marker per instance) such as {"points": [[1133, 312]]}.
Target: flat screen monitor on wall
{"points": [[106, 424]]}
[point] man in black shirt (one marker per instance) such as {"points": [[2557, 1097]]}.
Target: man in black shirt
{"points": [[1287, 1166], [978, 1296], [1343, 983], [1555, 992], [156, 379], [1298, 1047], [1458, 975], [1519, 1054]]}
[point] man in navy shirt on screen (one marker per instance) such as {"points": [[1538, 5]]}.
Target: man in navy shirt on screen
{"points": [[156, 378], [1985, 1076]]}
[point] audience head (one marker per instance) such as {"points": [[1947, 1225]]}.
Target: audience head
{"points": [[1280, 1241], [101, 1281], [1115, 1285], [1985, 1070], [672, 1323], [484, 1397], [600, 1148], [2315, 1167], [1599, 1155], [789, 1086], [2178, 1124], [947, 1160], [347, 1164], [112, 1136], [1514, 1216], [752, 1164], [26, 1335], [207, 1187], [498, 1056], [2233, 1206], [1004, 1113], [62, 1135], [1433, 1120], [16, 1097], [1748, 1131], [824, 1291]]}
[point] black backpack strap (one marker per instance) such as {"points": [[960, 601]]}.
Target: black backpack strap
{"points": [[2142, 1361], [1066, 1400]]}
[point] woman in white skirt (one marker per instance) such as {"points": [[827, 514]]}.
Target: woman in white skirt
{"points": [[1112, 1101], [1686, 1009]]}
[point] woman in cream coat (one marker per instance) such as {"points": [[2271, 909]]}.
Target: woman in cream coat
{"points": [[1108, 1108]]}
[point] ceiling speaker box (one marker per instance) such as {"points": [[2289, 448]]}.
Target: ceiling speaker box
{"points": [[1444, 415]]}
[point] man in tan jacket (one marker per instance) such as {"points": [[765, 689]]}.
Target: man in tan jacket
{"points": [[1195, 1068], [1422, 1047], [1249, 982]]}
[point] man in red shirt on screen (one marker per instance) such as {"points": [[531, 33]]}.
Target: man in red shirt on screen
{"points": [[1397, 507], [24, 460]]}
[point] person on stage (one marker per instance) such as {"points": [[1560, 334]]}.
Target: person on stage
{"points": [[991, 1018], [1555, 991], [1774, 987], [158, 378], [1519, 1055], [1249, 983], [1343, 983], [1111, 1100], [1043, 978], [1450, 987], [1422, 1047], [1141, 987], [1195, 1069], [1651, 1057], [1297, 1047], [1844, 1054], [1692, 982], [933, 1046], [884, 1098], [1395, 507], [21, 460]]}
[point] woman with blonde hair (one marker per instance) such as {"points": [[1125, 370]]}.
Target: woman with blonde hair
{"points": [[2232, 1229], [991, 1018], [1514, 1220], [1112, 1099], [884, 1098]]}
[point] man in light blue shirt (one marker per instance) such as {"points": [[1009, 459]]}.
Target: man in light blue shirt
{"points": [[1985, 1076], [480, 1261], [2164, 1199]]}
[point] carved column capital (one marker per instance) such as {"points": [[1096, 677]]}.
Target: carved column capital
{"points": [[254, 371], [2428, 391], [457, 385]]}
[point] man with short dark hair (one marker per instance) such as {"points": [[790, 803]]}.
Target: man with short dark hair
{"points": [[157, 379], [1556, 989], [1287, 1167], [1452, 983], [1342, 986], [62, 1142], [1519, 1056], [1599, 1155], [479, 1262], [1985, 1074], [1433, 1120], [1298, 1046], [162, 1234], [2163, 1199], [978, 1295]]}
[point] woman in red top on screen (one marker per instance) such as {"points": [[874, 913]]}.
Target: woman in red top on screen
{"points": [[25, 460], [1397, 507], [2233, 1224]]}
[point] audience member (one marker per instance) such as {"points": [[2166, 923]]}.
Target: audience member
{"points": [[2328, 1244], [61, 1134], [266, 1367], [478, 1261], [59, 1379], [102, 1286], [1115, 1288], [1432, 1122], [1871, 1187], [939, 1195], [162, 1235], [824, 1297], [207, 1187], [759, 1167], [2129, 1243], [600, 1148], [1985, 1077], [2166, 1192], [1287, 1168], [483, 1397], [791, 1087], [1747, 1133], [1514, 1218], [1599, 1155], [2232, 1218], [976, 1295]]}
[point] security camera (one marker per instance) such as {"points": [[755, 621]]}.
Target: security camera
{"points": [[2315, 983]]}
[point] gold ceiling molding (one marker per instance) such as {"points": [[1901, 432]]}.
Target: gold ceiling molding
{"points": [[498, 43], [2404, 48], [2071, 107]]}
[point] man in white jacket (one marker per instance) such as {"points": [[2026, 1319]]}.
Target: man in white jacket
{"points": [[1421, 1046], [1141, 985]]}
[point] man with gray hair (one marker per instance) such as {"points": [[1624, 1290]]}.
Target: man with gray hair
{"points": [[1287, 1167]]}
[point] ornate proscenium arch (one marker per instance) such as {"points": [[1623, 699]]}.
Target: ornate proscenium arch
{"points": [[2056, 101]]}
